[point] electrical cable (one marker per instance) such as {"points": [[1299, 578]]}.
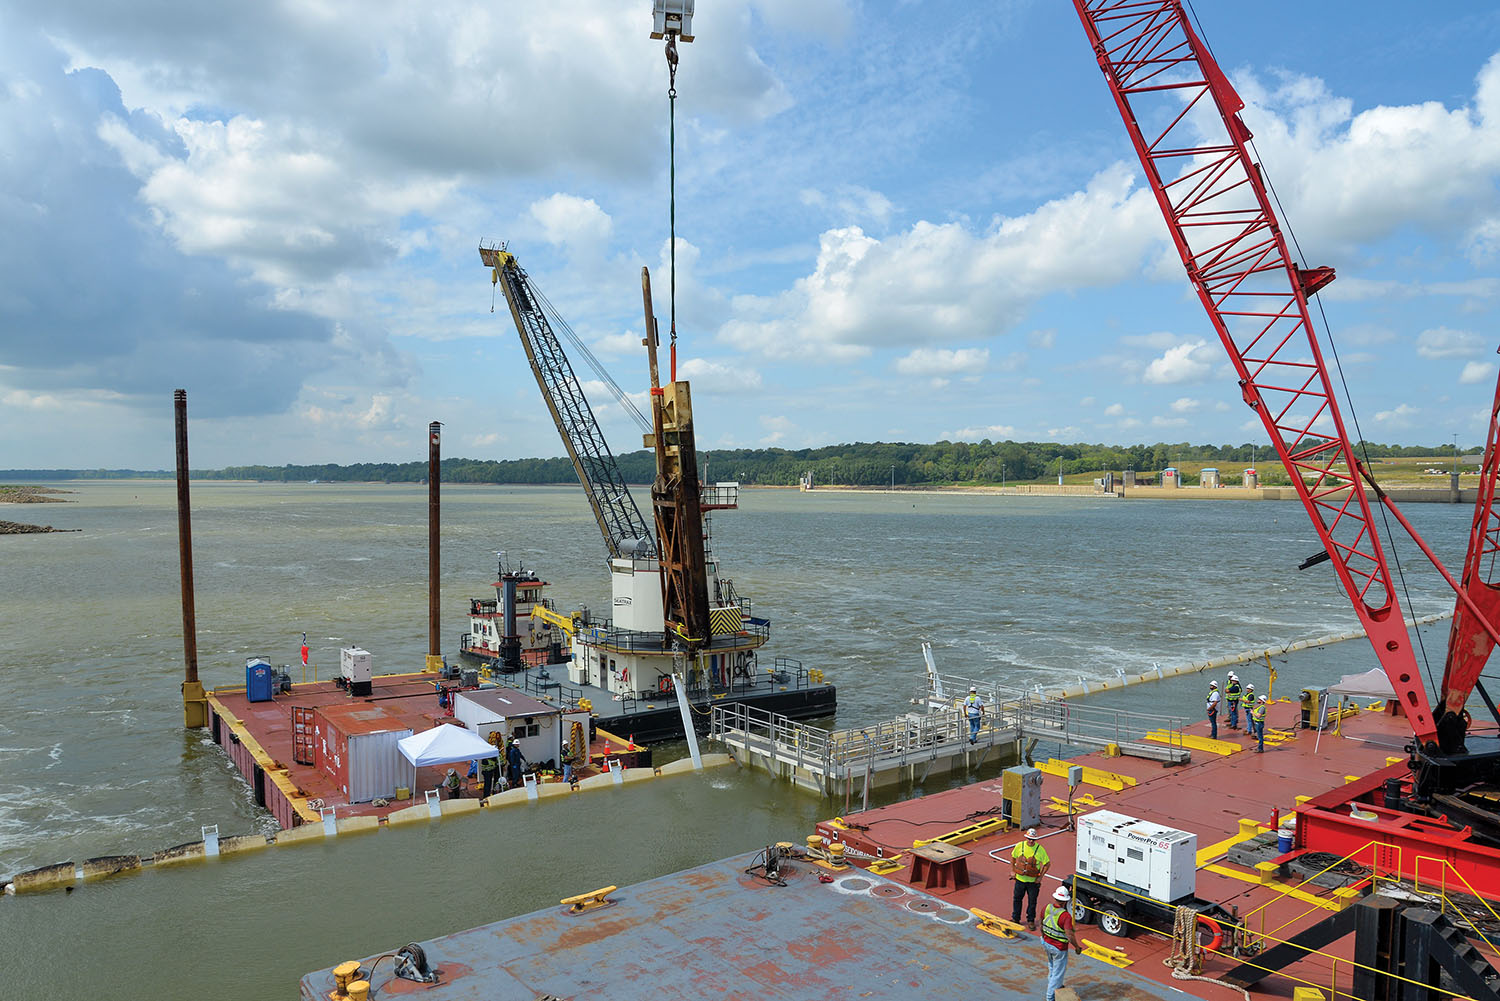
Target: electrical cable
{"points": [[593, 362], [1354, 477]]}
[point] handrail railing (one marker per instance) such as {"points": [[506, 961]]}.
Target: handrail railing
{"points": [[1445, 866], [1072, 719]]}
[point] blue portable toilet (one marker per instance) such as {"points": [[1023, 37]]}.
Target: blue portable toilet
{"points": [[260, 683]]}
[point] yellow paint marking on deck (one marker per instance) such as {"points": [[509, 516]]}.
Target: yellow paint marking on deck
{"points": [[1207, 855], [1112, 781], [1285, 888], [1196, 743], [275, 772]]}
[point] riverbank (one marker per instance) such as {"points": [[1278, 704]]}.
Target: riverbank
{"points": [[1401, 495]]}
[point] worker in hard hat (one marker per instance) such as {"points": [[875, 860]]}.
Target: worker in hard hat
{"points": [[1258, 722], [1232, 692], [1028, 864], [974, 709], [1213, 710], [1057, 935]]}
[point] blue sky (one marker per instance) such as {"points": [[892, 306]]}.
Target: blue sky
{"points": [[896, 221]]}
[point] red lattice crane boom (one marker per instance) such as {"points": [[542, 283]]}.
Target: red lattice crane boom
{"points": [[1182, 115], [1470, 641]]}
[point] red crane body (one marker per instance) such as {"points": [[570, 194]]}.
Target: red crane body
{"points": [[1470, 641], [1182, 115]]}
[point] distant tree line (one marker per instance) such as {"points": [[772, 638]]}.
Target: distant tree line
{"points": [[861, 464]]}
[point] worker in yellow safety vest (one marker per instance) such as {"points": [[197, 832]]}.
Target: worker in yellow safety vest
{"points": [[1232, 693], [974, 709], [1258, 723], [1057, 935], [1028, 863]]}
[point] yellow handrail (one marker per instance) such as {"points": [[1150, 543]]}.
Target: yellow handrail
{"points": [[1443, 893]]}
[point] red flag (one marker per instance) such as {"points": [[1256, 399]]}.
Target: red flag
{"points": [[304, 655]]}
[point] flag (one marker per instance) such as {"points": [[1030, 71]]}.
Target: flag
{"points": [[304, 649]]}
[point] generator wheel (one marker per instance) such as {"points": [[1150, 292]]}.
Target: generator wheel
{"points": [[1084, 909], [1112, 920]]}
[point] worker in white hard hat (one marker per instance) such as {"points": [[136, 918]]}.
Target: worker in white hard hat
{"points": [[1057, 935], [1258, 723], [974, 709], [1213, 710], [1232, 692], [1028, 864]]}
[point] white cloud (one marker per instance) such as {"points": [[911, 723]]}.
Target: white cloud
{"points": [[1042, 339], [1087, 401], [942, 361], [1169, 422], [578, 223], [1190, 362], [1398, 418], [1185, 405], [1114, 410], [720, 377], [1476, 371], [994, 432], [1437, 164], [850, 203], [1441, 342], [942, 282]]}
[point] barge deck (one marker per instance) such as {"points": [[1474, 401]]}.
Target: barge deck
{"points": [[892, 930]]}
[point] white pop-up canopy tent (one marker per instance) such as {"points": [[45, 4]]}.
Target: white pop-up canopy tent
{"points": [[1372, 684], [444, 745]]}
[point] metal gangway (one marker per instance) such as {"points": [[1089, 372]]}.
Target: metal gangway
{"points": [[935, 737], [832, 761]]}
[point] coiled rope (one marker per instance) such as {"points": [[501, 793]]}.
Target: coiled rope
{"points": [[1186, 959]]}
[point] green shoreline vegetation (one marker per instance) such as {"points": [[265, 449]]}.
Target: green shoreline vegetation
{"points": [[877, 464]]}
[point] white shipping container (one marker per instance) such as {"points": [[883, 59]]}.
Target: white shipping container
{"points": [[377, 767], [1137, 855]]}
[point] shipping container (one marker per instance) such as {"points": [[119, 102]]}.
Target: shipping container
{"points": [[355, 745]]}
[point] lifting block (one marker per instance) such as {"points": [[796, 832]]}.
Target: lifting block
{"points": [[1114, 957], [587, 901], [995, 924], [1306, 994]]}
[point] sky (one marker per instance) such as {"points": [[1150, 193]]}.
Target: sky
{"points": [[896, 221]]}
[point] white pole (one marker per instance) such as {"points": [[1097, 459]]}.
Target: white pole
{"points": [[680, 684]]}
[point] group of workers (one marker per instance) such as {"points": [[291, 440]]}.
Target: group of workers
{"points": [[1238, 697], [489, 771]]}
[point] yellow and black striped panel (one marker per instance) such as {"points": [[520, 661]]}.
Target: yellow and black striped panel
{"points": [[725, 620]]}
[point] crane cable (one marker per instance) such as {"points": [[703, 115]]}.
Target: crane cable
{"points": [[672, 185], [1354, 477]]}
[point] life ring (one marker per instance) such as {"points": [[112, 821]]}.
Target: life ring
{"points": [[1213, 926], [664, 685]]}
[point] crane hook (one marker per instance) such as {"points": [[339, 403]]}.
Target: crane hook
{"points": [[672, 64]]}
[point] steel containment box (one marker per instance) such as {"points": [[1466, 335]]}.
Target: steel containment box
{"points": [[1137, 855], [355, 745]]}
